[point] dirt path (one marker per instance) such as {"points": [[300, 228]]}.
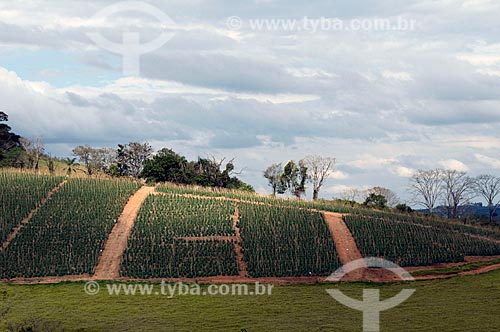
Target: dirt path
{"points": [[242, 265], [344, 241], [108, 267], [26, 220], [373, 275]]}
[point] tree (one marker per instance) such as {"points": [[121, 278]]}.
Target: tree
{"points": [[51, 166], [136, 154], [95, 159], [488, 186], [351, 194], [294, 178], [34, 149], [70, 166], [273, 176], [85, 154], [391, 197], [458, 188], [426, 188], [319, 169], [376, 201], [404, 208], [10, 145], [122, 167], [166, 166]]}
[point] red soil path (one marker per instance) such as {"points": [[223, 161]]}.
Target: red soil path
{"points": [[26, 220], [344, 241], [242, 265], [108, 267]]}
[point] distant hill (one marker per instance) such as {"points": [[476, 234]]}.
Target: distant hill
{"points": [[475, 209]]}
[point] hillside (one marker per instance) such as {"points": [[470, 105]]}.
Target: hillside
{"points": [[56, 229]]}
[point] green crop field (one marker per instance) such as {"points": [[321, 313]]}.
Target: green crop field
{"points": [[21, 193], [156, 247], [286, 242], [189, 233], [68, 233], [410, 244]]}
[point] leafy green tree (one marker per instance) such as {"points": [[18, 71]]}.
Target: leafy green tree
{"points": [[166, 166], [71, 166], [10, 145], [376, 201], [294, 178], [404, 208]]}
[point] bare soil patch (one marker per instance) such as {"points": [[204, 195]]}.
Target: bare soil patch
{"points": [[108, 267]]}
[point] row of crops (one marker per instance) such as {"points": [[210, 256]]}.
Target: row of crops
{"points": [[67, 235], [253, 198], [492, 232], [287, 242], [157, 247], [436, 222], [410, 244], [20, 194]]}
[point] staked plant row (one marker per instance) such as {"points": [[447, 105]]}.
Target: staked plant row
{"points": [[20, 194], [168, 239], [411, 244], [67, 235], [286, 242]]}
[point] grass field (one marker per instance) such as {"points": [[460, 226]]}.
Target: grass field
{"points": [[459, 304]]}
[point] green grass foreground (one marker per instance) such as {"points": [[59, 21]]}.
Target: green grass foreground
{"points": [[469, 303]]}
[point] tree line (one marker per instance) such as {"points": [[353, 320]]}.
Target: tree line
{"points": [[454, 188], [135, 159], [138, 160]]}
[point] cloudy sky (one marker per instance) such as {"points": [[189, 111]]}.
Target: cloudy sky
{"points": [[384, 102]]}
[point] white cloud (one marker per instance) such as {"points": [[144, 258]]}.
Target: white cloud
{"points": [[454, 164], [491, 162], [338, 175], [368, 161], [400, 76], [402, 171]]}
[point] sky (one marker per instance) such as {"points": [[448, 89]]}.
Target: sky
{"points": [[383, 101]]}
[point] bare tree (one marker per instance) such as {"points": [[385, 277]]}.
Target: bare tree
{"points": [[390, 196], [273, 176], [458, 188], [85, 155], [319, 169], [34, 149], [488, 186], [426, 188], [95, 159], [351, 194], [136, 155]]}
